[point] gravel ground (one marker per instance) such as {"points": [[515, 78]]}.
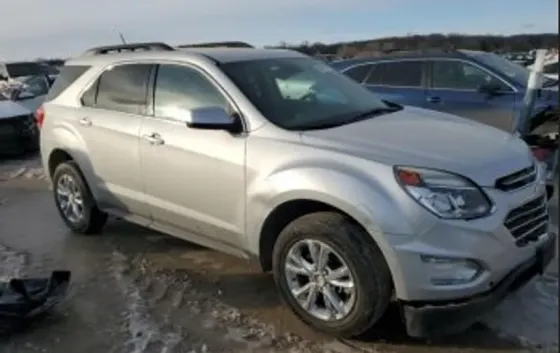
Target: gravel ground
{"points": [[138, 291]]}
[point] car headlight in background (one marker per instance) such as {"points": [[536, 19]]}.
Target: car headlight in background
{"points": [[446, 195]]}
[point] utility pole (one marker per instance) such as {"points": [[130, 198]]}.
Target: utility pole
{"points": [[122, 38]]}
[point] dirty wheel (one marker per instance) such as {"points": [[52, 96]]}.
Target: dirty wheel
{"points": [[331, 275], [75, 202]]}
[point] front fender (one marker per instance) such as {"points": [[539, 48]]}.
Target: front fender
{"points": [[360, 197]]}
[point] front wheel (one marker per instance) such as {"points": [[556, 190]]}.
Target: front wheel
{"points": [[331, 276], [74, 200]]}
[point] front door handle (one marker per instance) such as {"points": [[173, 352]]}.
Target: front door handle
{"points": [[433, 100], [85, 121], [154, 139]]}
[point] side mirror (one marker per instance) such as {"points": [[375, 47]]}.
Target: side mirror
{"points": [[211, 118], [489, 89]]}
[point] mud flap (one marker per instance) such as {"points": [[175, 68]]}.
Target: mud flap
{"points": [[23, 300]]}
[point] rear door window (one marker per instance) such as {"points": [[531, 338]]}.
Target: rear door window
{"points": [[397, 74], [123, 88], [68, 75]]}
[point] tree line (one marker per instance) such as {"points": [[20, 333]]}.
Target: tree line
{"points": [[492, 43]]}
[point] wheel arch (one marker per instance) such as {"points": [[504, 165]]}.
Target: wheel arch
{"points": [[56, 157], [290, 209]]}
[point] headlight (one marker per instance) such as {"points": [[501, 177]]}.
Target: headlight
{"points": [[446, 195]]}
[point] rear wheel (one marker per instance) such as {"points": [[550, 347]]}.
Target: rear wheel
{"points": [[74, 200], [331, 276]]}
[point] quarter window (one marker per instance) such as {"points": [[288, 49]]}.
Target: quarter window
{"points": [[450, 74], [123, 88], [67, 76], [180, 89], [359, 73], [396, 74]]}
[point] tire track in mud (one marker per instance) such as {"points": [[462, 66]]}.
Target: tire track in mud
{"points": [[178, 318]]}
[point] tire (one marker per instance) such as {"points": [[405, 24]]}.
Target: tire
{"points": [[371, 274], [93, 220]]}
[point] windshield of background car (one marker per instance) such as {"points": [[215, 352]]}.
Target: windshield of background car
{"points": [[295, 93], [514, 71], [36, 86]]}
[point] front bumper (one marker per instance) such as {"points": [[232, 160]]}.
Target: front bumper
{"points": [[430, 319]]}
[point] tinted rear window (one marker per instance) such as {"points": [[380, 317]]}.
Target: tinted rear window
{"points": [[67, 76], [25, 69], [397, 74]]}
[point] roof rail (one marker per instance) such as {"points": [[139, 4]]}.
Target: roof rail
{"points": [[148, 46], [446, 50], [227, 44]]}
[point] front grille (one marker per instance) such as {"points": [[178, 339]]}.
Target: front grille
{"points": [[518, 179], [529, 221]]}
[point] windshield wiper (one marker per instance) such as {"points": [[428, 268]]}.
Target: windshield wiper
{"points": [[328, 124], [374, 112]]}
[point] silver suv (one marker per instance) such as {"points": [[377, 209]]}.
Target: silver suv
{"points": [[352, 202]]}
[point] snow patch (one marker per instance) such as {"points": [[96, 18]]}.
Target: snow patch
{"points": [[12, 264]]}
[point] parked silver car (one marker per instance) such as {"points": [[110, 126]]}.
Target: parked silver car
{"points": [[349, 200]]}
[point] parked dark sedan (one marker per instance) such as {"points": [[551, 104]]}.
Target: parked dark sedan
{"points": [[18, 128]]}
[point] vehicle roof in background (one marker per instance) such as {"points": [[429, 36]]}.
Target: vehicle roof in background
{"points": [[404, 54]]}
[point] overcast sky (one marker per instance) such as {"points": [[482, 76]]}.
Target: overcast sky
{"points": [[49, 28]]}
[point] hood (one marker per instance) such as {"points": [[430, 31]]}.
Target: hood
{"points": [[425, 138], [9, 109]]}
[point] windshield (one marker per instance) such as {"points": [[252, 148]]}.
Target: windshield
{"points": [[303, 93], [514, 71]]}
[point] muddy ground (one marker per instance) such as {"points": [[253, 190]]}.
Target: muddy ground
{"points": [[138, 291]]}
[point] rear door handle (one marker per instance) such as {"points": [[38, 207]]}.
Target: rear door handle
{"points": [[433, 100], [85, 121], [154, 139]]}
